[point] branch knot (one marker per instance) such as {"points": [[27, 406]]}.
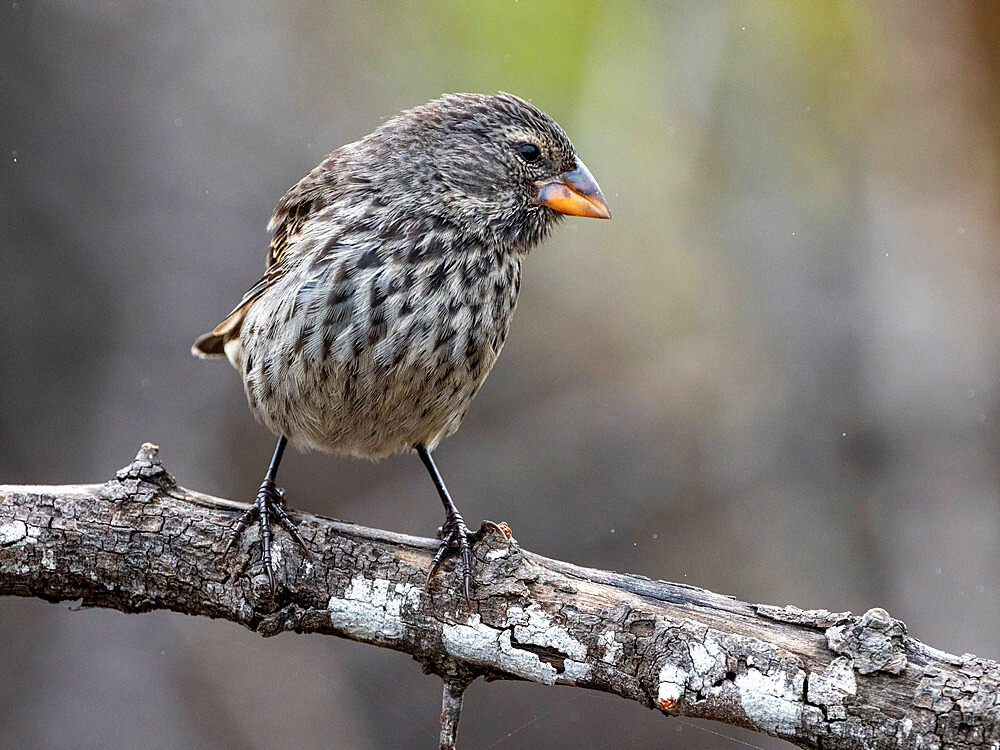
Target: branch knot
{"points": [[502, 569], [875, 642], [146, 466]]}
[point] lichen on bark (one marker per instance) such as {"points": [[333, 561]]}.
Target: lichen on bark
{"points": [[814, 677]]}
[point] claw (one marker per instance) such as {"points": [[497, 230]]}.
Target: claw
{"points": [[466, 567], [435, 564], [270, 579], [241, 525], [288, 525], [267, 506], [455, 535], [265, 535]]}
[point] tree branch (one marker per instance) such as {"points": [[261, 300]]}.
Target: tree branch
{"points": [[816, 678]]}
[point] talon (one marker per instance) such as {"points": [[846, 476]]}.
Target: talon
{"points": [[241, 525], [466, 568], [288, 525], [435, 564], [229, 546], [455, 535], [267, 507]]}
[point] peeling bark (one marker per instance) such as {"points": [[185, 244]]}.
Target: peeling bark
{"points": [[816, 678]]}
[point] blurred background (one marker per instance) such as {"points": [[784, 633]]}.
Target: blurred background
{"points": [[773, 375]]}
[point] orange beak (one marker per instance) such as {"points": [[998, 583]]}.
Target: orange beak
{"points": [[574, 193]]}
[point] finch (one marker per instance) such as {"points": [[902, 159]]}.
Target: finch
{"points": [[392, 275]]}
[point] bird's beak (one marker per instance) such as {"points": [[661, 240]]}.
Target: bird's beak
{"points": [[574, 193]]}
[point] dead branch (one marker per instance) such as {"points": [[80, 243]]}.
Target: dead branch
{"points": [[816, 678]]}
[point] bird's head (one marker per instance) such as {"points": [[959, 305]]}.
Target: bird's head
{"points": [[496, 167]]}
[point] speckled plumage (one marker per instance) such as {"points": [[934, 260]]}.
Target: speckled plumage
{"points": [[391, 279]]}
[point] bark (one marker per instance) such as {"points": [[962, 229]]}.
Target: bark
{"points": [[816, 678]]}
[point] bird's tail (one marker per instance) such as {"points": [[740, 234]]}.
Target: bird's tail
{"points": [[209, 344], [213, 343]]}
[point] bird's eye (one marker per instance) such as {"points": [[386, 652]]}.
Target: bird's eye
{"points": [[529, 152]]}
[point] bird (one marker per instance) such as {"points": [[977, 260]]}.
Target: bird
{"points": [[391, 277]]}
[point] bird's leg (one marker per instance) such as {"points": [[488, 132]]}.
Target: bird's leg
{"points": [[455, 535], [268, 506]]}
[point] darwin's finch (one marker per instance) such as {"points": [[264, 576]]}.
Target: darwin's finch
{"points": [[391, 279]]}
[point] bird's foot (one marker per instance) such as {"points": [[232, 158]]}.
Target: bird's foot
{"points": [[268, 507], [455, 536]]}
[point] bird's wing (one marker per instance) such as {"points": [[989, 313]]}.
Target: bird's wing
{"points": [[293, 210]]}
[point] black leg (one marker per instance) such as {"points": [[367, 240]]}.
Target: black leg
{"points": [[455, 535], [279, 451], [268, 506]]}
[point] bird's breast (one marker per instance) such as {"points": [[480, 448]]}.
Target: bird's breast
{"points": [[375, 354]]}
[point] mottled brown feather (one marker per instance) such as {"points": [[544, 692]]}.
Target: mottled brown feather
{"points": [[291, 213]]}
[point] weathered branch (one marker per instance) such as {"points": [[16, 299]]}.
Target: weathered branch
{"points": [[451, 710], [816, 678]]}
